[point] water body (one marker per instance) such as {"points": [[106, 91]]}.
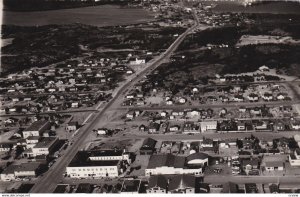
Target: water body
{"points": [[266, 7], [105, 15]]}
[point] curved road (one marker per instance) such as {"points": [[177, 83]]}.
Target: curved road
{"points": [[48, 182]]}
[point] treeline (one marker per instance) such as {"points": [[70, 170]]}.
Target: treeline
{"points": [[41, 5]]}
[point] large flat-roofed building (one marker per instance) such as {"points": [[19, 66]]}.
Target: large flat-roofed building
{"points": [[83, 167], [169, 164], [45, 146], [108, 155], [36, 128], [22, 170]]}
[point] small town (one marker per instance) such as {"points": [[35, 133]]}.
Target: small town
{"points": [[192, 101]]}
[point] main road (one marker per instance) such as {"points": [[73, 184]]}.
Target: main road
{"points": [[47, 183]]}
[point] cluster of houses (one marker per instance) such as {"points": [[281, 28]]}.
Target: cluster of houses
{"points": [[197, 121], [35, 144], [67, 86]]}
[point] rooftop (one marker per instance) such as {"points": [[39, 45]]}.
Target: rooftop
{"points": [[166, 160], [158, 181], [82, 159], [46, 142], [103, 153], [32, 166], [38, 125], [182, 182], [131, 185]]}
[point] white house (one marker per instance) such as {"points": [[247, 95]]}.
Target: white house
{"points": [[294, 158], [137, 61], [208, 126]]}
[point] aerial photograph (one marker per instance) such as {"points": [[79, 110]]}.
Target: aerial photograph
{"points": [[150, 97]]}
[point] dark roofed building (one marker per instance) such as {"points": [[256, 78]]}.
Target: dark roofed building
{"points": [[36, 128], [148, 146], [82, 166], [182, 184], [131, 186], [157, 184]]}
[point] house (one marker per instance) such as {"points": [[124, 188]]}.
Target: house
{"points": [[281, 96], [255, 111], [102, 131], [74, 104], [295, 124], [197, 159], [182, 184], [242, 109], [253, 97], [36, 128], [207, 143], [137, 61], [154, 127], [182, 100], [261, 125], [72, 126], [130, 115], [250, 164], [130, 186], [294, 158], [267, 96], [6, 147], [8, 173], [241, 126], [190, 127], [143, 128], [238, 98], [194, 113], [157, 184], [208, 126], [263, 68], [169, 102], [82, 166], [174, 128], [163, 114], [169, 164], [148, 146], [273, 163]]}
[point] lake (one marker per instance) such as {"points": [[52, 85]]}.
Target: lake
{"points": [[104, 15], [266, 7]]}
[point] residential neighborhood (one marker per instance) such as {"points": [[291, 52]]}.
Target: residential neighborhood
{"points": [[182, 97]]}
